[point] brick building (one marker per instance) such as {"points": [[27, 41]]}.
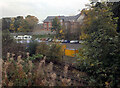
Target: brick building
{"points": [[70, 22]]}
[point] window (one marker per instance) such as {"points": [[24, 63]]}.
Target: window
{"points": [[49, 24], [45, 25]]}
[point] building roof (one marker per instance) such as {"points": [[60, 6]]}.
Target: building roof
{"points": [[65, 18]]}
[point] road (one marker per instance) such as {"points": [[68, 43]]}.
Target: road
{"points": [[68, 45]]}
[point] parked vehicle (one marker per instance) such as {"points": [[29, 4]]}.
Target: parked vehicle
{"points": [[15, 37], [62, 40], [38, 40], [80, 42], [49, 40], [43, 39], [28, 37], [74, 41], [65, 41], [19, 37], [58, 41]]}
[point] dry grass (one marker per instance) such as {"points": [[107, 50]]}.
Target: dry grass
{"points": [[25, 73]]}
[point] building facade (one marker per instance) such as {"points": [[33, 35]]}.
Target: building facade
{"points": [[70, 22]]}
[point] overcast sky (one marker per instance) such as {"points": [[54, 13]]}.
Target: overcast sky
{"points": [[40, 8]]}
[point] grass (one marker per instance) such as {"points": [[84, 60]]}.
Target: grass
{"points": [[25, 72]]}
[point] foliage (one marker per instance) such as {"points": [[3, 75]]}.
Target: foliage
{"points": [[36, 56], [115, 8], [43, 49], [31, 21], [20, 24], [23, 72], [83, 36], [31, 47], [9, 44], [101, 52], [56, 26], [53, 52]]}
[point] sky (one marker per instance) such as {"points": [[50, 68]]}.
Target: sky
{"points": [[41, 8]]}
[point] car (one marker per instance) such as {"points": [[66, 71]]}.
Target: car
{"points": [[28, 37], [80, 42], [74, 41], [38, 40], [56, 40], [43, 39], [20, 37], [59, 40], [62, 40], [65, 41], [49, 40]]}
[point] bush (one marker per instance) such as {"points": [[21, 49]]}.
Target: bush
{"points": [[36, 57], [43, 49], [24, 72], [53, 52], [10, 45], [100, 56], [31, 47]]}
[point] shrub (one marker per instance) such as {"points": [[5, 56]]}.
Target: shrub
{"points": [[27, 73], [100, 56], [32, 46], [10, 45], [43, 49], [37, 57], [53, 52]]}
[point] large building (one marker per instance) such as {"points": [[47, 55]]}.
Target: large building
{"points": [[70, 22]]}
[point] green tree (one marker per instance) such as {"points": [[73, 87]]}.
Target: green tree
{"points": [[18, 23], [12, 27], [56, 26], [10, 45], [116, 10], [101, 52], [30, 22]]}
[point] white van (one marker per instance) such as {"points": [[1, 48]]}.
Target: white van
{"points": [[19, 37], [27, 37]]}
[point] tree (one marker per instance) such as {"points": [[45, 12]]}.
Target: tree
{"points": [[56, 26], [6, 23], [10, 45], [31, 22], [18, 23], [12, 27], [116, 10], [101, 52]]}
